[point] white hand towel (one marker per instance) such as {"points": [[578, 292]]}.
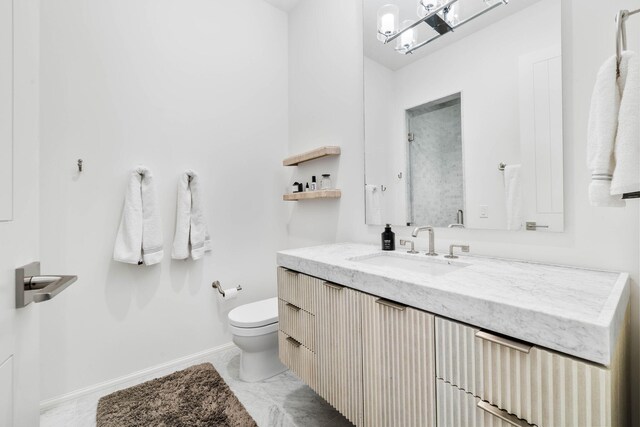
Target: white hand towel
{"points": [[139, 238], [603, 125], [513, 197], [373, 205], [626, 176], [192, 235]]}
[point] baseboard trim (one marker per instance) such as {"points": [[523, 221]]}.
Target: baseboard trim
{"points": [[178, 364]]}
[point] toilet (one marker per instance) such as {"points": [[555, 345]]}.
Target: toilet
{"points": [[255, 331]]}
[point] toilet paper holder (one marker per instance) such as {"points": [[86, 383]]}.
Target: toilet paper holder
{"points": [[218, 286]]}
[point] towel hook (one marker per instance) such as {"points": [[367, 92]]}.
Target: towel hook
{"points": [[80, 165], [501, 166]]}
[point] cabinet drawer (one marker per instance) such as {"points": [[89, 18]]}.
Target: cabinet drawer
{"points": [[543, 387], [456, 408], [298, 358], [297, 323], [298, 289]]}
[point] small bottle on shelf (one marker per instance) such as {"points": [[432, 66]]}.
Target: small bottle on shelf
{"points": [[325, 182]]}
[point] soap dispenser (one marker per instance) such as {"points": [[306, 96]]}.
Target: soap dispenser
{"points": [[388, 239]]}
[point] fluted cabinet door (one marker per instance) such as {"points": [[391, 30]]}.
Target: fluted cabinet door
{"points": [[398, 365], [541, 386], [339, 349]]}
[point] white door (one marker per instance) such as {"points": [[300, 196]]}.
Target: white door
{"points": [[541, 138], [19, 328]]}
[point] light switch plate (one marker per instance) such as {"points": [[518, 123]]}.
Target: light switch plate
{"points": [[484, 211]]}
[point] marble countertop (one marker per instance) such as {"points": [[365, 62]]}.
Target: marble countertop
{"points": [[572, 310]]}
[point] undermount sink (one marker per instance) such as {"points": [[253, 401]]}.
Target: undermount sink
{"points": [[424, 265]]}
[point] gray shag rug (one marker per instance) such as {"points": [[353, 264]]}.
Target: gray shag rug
{"points": [[194, 397]]}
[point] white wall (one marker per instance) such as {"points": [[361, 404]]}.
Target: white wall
{"points": [[331, 109], [484, 68], [379, 98], [171, 84], [19, 239]]}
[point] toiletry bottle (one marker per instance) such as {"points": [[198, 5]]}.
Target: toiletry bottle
{"points": [[300, 187], [307, 187], [325, 182], [294, 187], [388, 239], [313, 183]]}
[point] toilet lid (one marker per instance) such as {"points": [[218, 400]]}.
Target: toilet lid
{"points": [[256, 314]]}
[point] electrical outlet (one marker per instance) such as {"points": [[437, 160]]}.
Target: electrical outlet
{"points": [[484, 211]]}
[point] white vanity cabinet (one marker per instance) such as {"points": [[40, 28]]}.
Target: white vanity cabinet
{"points": [[542, 387], [372, 359], [296, 315], [398, 364], [381, 364], [339, 338]]}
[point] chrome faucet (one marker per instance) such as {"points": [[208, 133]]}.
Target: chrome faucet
{"points": [[406, 242], [464, 248], [429, 228]]}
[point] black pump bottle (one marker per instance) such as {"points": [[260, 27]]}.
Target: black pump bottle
{"points": [[388, 239]]}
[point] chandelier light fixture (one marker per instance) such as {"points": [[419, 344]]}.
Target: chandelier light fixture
{"points": [[440, 15]]}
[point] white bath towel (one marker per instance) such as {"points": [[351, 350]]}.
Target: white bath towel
{"points": [[373, 204], [626, 175], [603, 126], [192, 235], [513, 196], [139, 238]]}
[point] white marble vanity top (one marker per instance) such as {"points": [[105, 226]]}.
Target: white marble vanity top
{"points": [[574, 311]]}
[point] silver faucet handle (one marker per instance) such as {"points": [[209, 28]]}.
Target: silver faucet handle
{"points": [[405, 242], [463, 248]]}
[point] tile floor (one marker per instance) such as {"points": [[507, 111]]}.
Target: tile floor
{"points": [[282, 401]]}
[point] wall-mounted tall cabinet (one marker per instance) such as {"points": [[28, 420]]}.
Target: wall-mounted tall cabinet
{"points": [[383, 364]]}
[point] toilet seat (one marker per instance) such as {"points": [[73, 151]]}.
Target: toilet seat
{"points": [[255, 315], [254, 332]]}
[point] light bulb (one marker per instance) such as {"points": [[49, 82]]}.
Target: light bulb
{"points": [[408, 38], [426, 6], [387, 21], [451, 15]]}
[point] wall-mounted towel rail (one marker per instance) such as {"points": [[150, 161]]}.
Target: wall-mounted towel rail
{"points": [[621, 36]]}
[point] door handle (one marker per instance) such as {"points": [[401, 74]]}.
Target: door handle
{"points": [[503, 415], [391, 304], [294, 342], [334, 286], [293, 306], [33, 287], [516, 345], [533, 226]]}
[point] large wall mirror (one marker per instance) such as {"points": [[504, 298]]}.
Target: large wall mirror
{"points": [[6, 111], [463, 114]]}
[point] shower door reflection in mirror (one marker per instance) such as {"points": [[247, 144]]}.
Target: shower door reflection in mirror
{"points": [[467, 130], [6, 112]]}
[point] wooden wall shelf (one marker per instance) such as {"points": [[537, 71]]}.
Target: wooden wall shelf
{"points": [[311, 155], [307, 195]]}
